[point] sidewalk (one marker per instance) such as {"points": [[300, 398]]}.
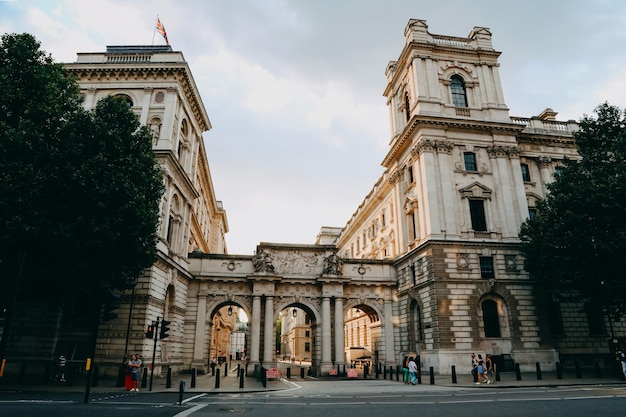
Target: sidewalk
{"points": [[230, 384]]}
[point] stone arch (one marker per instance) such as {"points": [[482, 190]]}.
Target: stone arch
{"points": [[312, 341], [305, 305], [414, 311], [219, 302], [373, 338], [127, 96], [504, 314]]}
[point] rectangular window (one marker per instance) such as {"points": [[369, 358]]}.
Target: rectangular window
{"points": [[525, 172], [413, 275], [532, 212], [595, 319], [486, 267], [555, 318], [412, 226], [307, 347], [477, 213], [307, 333], [411, 178], [470, 161]]}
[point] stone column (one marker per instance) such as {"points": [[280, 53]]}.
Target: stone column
{"points": [[390, 346], [90, 99], [544, 163], [166, 140], [326, 337], [268, 337], [255, 331], [339, 335], [201, 333], [145, 107]]}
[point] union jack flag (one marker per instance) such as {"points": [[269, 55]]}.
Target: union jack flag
{"points": [[161, 29]]}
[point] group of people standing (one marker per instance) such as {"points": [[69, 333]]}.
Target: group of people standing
{"points": [[483, 370], [410, 371]]}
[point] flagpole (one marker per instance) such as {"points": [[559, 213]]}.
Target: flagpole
{"points": [[154, 31]]}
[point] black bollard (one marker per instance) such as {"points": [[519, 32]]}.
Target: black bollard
{"points": [[181, 390], [225, 369], [538, 366], [432, 376], [391, 372], [194, 373], [497, 372], [344, 370], [144, 378], [453, 374], [241, 373], [22, 374], [94, 380], [518, 373], [302, 373], [377, 370], [384, 372], [559, 372], [217, 379], [579, 373], [168, 380], [397, 373], [288, 372], [419, 374], [366, 369]]}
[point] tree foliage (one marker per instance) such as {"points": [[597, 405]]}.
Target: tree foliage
{"points": [[80, 189], [577, 241]]}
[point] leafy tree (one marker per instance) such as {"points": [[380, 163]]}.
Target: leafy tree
{"points": [[80, 190], [577, 241]]}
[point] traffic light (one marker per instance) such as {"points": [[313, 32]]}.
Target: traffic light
{"points": [[165, 327], [150, 331], [111, 304]]}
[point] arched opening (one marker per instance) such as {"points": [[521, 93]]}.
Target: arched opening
{"points": [[416, 332], [363, 336], [294, 336], [229, 335]]}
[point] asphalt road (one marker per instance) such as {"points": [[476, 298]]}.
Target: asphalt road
{"points": [[330, 399]]}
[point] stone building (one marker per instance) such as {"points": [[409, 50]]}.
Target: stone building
{"points": [[461, 176], [429, 264], [158, 85]]}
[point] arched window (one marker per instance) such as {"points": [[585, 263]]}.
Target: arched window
{"points": [[457, 88], [491, 320], [416, 323], [128, 100]]}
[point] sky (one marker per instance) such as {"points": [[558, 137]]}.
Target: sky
{"points": [[293, 88]]}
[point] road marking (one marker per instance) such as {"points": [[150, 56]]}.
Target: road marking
{"points": [[191, 410], [193, 398]]}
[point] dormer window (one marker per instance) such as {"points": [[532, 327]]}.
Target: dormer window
{"points": [[457, 89]]}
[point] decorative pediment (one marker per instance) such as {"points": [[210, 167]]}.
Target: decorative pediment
{"points": [[476, 190]]}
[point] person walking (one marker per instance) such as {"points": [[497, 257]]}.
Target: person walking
{"points": [[413, 372], [622, 358], [135, 368], [405, 371], [481, 372], [490, 370], [61, 368], [474, 367]]}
